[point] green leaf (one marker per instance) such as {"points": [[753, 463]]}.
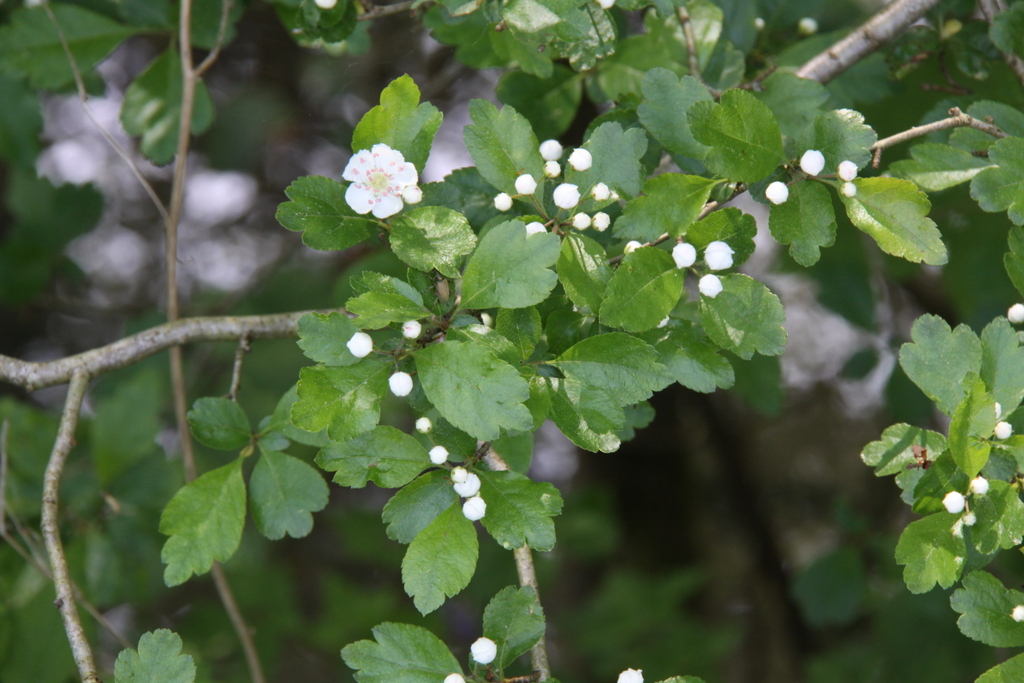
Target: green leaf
{"points": [[388, 300], [932, 552], [939, 359], [522, 327], [344, 400], [832, 590], [284, 492], [30, 44], [692, 360], [418, 504], [510, 269], [935, 167], [402, 653], [795, 101], [895, 450], [1013, 260], [667, 99], [204, 520], [939, 479], [503, 145], [386, 456], [645, 287], [473, 389], [1001, 188], [400, 122], [706, 25], [594, 37], [219, 423], [550, 103], [625, 367], [1007, 30], [1010, 671], [583, 270], [318, 209], [841, 136], [616, 153], [1002, 364], [805, 221], [499, 345], [322, 337], [985, 605], [21, 122], [742, 135], [726, 225], [745, 317], [158, 658], [588, 416], [152, 108], [533, 16], [514, 620], [895, 213], [281, 421], [671, 204], [972, 423], [432, 237], [441, 560], [519, 510], [1000, 514]]}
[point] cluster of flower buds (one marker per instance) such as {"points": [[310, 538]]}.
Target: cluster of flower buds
{"points": [[813, 163]]}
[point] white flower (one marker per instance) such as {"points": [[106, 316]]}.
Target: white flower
{"points": [[535, 227], [999, 410], [400, 383], [525, 184], [1018, 613], [454, 678], [954, 502], [969, 519], [580, 158], [632, 676], [566, 195], [581, 221], [483, 650], [807, 26], [710, 286], [468, 488], [601, 221], [459, 474], [475, 508], [378, 177], [848, 190], [847, 170], [600, 192], [487, 320], [759, 23], [424, 425], [631, 246], [718, 255], [1016, 314], [326, 4], [979, 486], [552, 169], [411, 329], [438, 455], [1003, 430], [502, 201], [812, 162], [360, 345], [551, 150], [412, 194], [685, 255], [606, 4], [664, 322], [777, 193]]}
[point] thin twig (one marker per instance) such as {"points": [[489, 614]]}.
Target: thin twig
{"points": [[691, 50], [990, 8], [238, 621], [708, 208], [888, 23], [218, 44], [385, 10], [236, 371], [3, 476], [65, 601], [957, 119]]}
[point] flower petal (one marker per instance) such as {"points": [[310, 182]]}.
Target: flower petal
{"points": [[357, 166], [360, 198], [404, 174], [388, 205]]}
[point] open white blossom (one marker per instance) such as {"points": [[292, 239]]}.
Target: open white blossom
{"points": [[475, 508], [468, 488], [718, 255], [360, 345], [551, 150], [847, 170], [400, 383], [685, 255], [601, 221], [438, 455], [777, 193], [581, 159], [484, 650], [378, 177], [631, 676], [954, 502], [424, 425], [525, 184], [710, 286], [566, 195], [1016, 314], [812, 162]]}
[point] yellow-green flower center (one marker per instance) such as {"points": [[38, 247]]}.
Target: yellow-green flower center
{"points": [[378, 181]]}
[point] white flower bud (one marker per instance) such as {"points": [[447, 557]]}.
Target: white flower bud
{"points": [[1016, 314], [979, 486], [360, 345], [525, 184], [606, 4], [483, 650], [848, 189], [326, 4], [487, 320], [400, 383], [812, 162], [685, 255], [580, 159], [552, 169], [411, 329], [759, 23], [664, 321], [1018, 613], [710, 286], [954, 502], [474, 508], [551, 150], [847, 170], [454, 678], [632, 676], [424, 425], [631, 246], [566, 195], [807, 26], [534, 227], [412, 195], [615, 196], [459, 475], [1003, 430], [502, 201], [777, 193], [969, 519], [999, 410], [600, 192], [718, 255], [468, 488], [581, 221], [438, 455], [601, 221]]}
